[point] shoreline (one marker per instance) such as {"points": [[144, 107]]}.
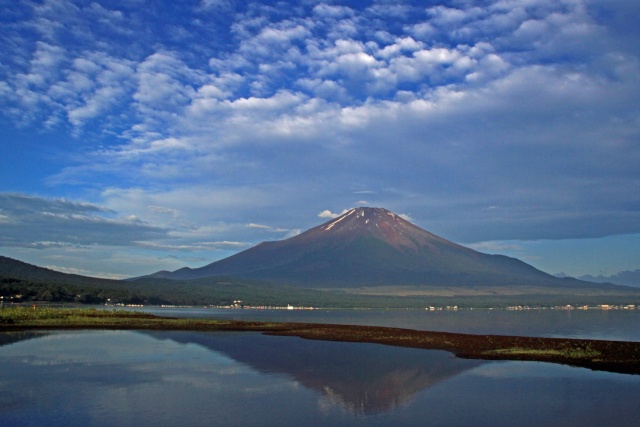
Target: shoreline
{"points": [[603, 355]]}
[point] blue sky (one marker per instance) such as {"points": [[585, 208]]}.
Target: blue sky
{"points": [[142, 135]]}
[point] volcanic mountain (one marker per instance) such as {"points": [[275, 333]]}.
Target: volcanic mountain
{"points": [[370, 247]]}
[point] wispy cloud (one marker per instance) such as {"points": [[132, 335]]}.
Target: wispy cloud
{"points": [[495, 247], [34, 222]]}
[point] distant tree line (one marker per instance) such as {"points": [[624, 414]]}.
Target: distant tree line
{"points": [[16, 290], [224, 292]]}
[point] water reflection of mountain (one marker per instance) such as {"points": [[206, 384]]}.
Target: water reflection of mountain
{"points": [[364, 378], [7, 338]]}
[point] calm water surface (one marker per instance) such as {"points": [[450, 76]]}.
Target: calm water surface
{"points": [[131, 378]]}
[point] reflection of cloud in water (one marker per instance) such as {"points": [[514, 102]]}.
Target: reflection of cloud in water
{"points": [[88, 354], [363, 378], [80, 373]]}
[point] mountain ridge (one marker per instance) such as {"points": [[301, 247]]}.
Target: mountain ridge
{"points": [[623, 278], [370, 246], [13, 268]]}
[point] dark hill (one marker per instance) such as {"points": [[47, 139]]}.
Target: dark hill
{"points": [[21, 282], [371, 246], [14, 269]]}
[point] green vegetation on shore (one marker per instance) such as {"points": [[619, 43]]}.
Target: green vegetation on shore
{"points": [[220, 292], [19, 318], [614, 356]]}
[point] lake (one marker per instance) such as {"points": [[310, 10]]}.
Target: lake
{"points": [[135, 378]]}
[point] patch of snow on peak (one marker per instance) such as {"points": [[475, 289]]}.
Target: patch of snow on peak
{"points": [[330, 226]]}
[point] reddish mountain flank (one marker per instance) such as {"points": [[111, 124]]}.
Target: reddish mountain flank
{"points": [[371, 247]]}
